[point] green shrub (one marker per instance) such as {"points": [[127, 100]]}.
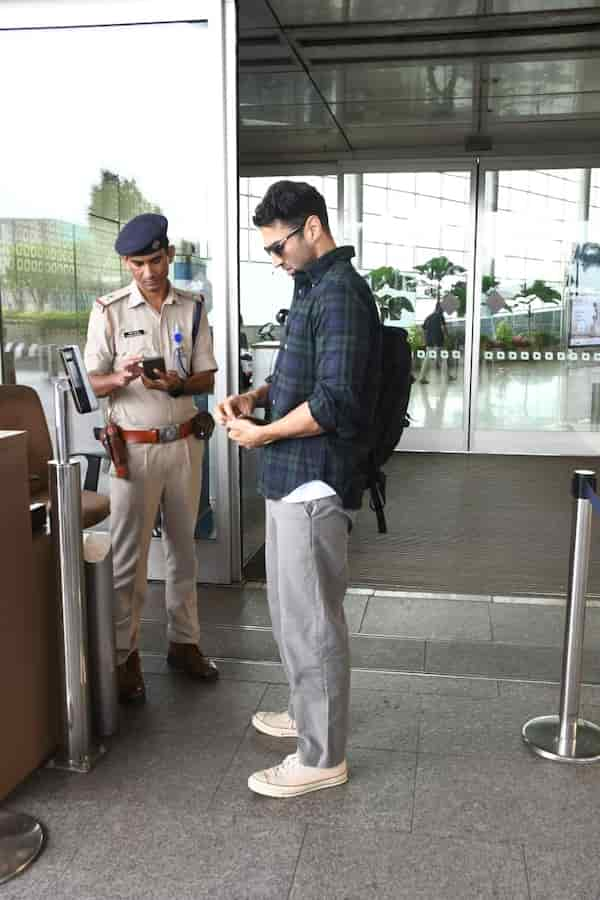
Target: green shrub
{"points": [[504, 334], [543, 339], [416, 338]]}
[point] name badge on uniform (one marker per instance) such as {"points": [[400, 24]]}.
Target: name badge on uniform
{"points": [[134, 333]]}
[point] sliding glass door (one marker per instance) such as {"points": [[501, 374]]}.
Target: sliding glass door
{"points": [[536, 372]]}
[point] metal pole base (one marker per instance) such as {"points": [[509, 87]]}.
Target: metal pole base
{"points": [[82, 766], [541, 736], [21, 841]]}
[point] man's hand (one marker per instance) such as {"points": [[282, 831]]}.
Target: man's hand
{"points": [[234, 406], [247, 434], [164, 381], [131, 370]]}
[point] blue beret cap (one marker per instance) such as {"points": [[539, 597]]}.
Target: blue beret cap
{"points": [[142, 235]]}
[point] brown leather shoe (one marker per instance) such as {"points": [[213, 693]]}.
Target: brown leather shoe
{"points": [[189, 659], [131, 681]]}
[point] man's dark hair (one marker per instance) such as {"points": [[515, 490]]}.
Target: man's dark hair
{"points": [[291, 202]]}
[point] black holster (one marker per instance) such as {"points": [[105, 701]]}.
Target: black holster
{"points": [[203, 426]]}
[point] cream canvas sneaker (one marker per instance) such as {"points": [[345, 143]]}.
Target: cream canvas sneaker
{"points": [[275, 724], [291, 779]]}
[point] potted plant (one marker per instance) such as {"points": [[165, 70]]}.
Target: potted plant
{"points": [[387, 284], [537, 290], [437, 268]]}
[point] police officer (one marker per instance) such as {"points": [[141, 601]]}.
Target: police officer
{"points": [[154, 410]]}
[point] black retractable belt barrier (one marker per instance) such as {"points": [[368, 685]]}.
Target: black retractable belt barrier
{"points": [[566, 737]]}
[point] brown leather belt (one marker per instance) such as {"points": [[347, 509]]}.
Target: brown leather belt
{"points": [[159, 435]]}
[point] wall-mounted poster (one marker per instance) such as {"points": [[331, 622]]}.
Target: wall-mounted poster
{"points": [[583, 291], [585, 319]]}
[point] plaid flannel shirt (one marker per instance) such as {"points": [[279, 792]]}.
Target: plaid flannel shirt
{"points": [[330, 357]]}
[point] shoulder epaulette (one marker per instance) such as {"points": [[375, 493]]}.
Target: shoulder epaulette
{"points": [[111, 298]]}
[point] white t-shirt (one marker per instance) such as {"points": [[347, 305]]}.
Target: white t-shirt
{"points": [[310, 490]]}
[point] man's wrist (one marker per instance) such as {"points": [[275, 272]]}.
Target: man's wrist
{"points": [[254, 397]]}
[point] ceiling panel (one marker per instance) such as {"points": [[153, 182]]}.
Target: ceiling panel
{"points": [[282, 99], [521, 6], [394, 77], [319, 12], [397, 140], [261, 147], [379, 82], [255, 14], [547, 87], [327, 12]]}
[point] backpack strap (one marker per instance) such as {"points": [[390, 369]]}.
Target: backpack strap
{"points": [[196, 320], [376, 484]]}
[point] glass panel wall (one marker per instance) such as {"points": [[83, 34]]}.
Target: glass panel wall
{"points": [[416, 226], [540, 302], [74, 171]]}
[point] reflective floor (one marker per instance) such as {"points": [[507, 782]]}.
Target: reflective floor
{"points": [[513, 395]]}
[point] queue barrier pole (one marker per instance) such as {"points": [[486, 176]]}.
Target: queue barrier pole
{"points": [[21, 841], [566, 737], [78, 750]]}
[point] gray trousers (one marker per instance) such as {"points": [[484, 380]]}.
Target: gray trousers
{"points": [[307, 577]]}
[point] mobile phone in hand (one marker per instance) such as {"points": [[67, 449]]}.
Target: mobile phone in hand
{"points": [[151, 363], [254, 419]]}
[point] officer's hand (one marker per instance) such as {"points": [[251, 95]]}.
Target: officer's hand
{"points": [[247, 434], [234, 406], [131, 370], [164, 381]]}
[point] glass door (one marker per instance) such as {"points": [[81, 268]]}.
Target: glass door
{"points": [[113, 143], [536, 375], [413, 232]]}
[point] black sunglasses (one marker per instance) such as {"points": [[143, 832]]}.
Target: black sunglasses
{"points": [[276, 249]]}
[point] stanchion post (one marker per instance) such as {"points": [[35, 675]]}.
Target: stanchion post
{"points": [[79, 751], [21, 842], [566, 737]]}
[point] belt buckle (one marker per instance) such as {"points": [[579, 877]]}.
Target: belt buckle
{"points": [[168, 433]]}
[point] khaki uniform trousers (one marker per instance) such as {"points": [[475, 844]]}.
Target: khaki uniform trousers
{"points": [[168, 475]]}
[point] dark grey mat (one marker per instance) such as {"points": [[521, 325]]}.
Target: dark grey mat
{"points": [[480, 524], [470, 523]]}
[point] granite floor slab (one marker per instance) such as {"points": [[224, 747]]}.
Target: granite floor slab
{"points": [[380, 720], [184, 855], [415, 617], [443, 802], [558, 873], [177, 704], [378, 793], [239, 605], [357, 864], [537, 624], [514, 798]]}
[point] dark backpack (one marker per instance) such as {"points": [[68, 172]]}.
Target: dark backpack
{"points": [[391, 413]]}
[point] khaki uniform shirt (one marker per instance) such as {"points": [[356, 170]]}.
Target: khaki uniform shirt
{"points": [[123, 324]]}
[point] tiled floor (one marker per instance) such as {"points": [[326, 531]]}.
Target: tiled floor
{"points": [[391, 631], [444, 802]]}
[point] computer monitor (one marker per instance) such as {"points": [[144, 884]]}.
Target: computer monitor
{"points": [[83, 395]]}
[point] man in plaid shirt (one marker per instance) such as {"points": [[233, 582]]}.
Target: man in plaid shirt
{"points": [[322, 397]]}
